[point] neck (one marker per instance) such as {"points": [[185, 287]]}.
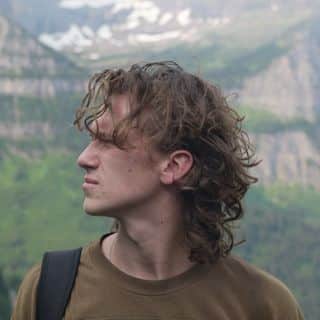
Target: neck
{"points": [[151, 251], [150, 243]]}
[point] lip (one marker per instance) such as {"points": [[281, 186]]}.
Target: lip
{"points": [[88, 180]]}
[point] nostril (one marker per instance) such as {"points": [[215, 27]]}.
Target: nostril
{"points": [[87, 161], [80, 161]]}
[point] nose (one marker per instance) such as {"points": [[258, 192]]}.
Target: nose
{"points": [[88, 159]]}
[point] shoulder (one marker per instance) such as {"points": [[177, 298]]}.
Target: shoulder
{"points": [[26, 297], [256, 276], [33, 274], [30, 281], [268, 292]]}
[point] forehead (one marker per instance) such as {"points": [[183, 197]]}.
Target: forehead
{"points": [[119, 108]]}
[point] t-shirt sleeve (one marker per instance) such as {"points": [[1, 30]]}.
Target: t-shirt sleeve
{"points": [[25, 304], [291, 309], [281, 303]]}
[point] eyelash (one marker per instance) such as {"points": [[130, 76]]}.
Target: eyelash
{"points": [[106, 142], [103, 141]]}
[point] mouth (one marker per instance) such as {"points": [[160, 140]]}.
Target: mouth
{"points": [[89, 181]]}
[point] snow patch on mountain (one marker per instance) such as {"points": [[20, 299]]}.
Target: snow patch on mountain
{"points": [[74, 36], [77, 4], [218, 21], [142, 11], [104, 32], [78, 37], [151, 38], [122, 5], [183, 17], [146, 10], [87, 32], [129, 22], [136, 6], [94, 56], [166, 17]]}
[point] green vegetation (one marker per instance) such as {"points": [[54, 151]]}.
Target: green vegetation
{"points": [[226, 66], [305, 201], [229, 54], [41, 200], [56, 114], [41, 210], [41, 197], [282, 232], [260, 120], [58, 110], [4, 300]]}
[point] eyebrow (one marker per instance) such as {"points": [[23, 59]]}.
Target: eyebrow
{"points": [[102, 135]]}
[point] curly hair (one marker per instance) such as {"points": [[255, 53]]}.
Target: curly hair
{"points": [[184, 112]]}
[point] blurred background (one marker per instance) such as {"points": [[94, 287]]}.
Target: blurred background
{"points": [[265, 56]]}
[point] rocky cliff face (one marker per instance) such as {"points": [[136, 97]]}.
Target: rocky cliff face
{"points": [[29, 68], [40, 87], [289, 87], [289, 157], [17, 131]]}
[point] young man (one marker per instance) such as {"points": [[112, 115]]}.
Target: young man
{"points": [[169, 161]]}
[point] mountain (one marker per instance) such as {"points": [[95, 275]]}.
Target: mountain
{"points": [[263, 54], [282, 115], [275, 74], [29, 68], [35, 84], [95, 29], [295, 93]]}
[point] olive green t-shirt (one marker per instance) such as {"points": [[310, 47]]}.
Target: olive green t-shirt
{"points": [[230, 289]]}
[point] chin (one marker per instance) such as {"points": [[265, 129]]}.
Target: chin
{"points": [[93, 209]]}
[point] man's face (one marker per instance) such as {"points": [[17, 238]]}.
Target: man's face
{"points": [[117, 180]]}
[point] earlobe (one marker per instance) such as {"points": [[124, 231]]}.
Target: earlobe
{"points": [[168, 178], [166, 174]]}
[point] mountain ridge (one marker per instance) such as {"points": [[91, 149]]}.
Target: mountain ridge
{"points": [[30, 68]]}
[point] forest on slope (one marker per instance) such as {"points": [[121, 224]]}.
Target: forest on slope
{"points": [[41, 199], [40, 193]]}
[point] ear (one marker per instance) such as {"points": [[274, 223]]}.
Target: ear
{"points": [[176, 166]]}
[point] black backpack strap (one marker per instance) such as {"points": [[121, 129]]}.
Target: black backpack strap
{"points": [[58, 273]]}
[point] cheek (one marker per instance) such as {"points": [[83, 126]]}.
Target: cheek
{"points": [[139, 174], [137, 171], [126, 170]]}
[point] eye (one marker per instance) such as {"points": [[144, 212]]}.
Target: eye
{"points": [[106, 141], [92, 136], [105, 138]]}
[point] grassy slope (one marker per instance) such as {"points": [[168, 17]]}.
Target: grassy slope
{"points": [[41, 210], [282, 238], [42, 199]]}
